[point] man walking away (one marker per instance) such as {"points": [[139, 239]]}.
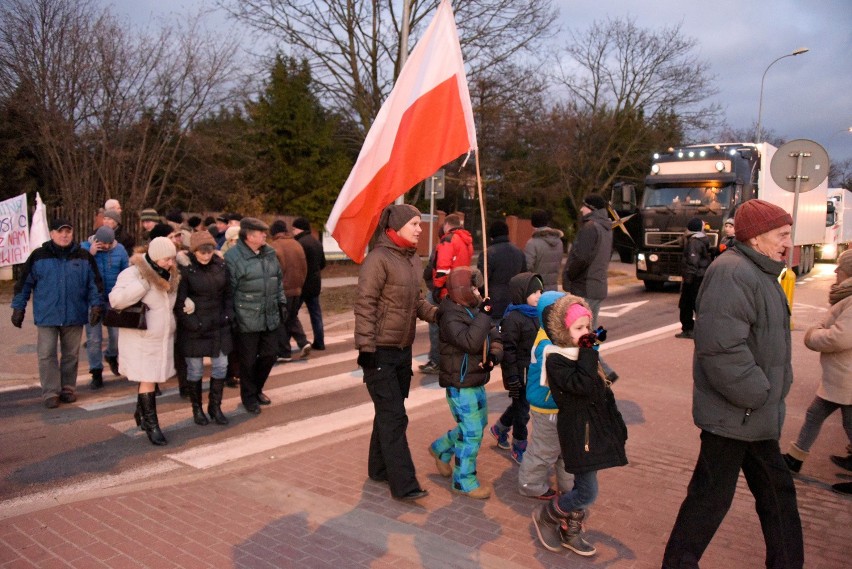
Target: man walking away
{"points": [[315, 256], [742, 373], [544, 250], [291, 257]]}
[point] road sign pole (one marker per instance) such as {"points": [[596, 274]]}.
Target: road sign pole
{"points": [[431, 186]]}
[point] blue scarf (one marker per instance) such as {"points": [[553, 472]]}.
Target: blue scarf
{"points": [[525, 309]]}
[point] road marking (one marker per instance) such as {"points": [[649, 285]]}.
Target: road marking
{"points": [[264, 440], [617, 310], [280, 370]]}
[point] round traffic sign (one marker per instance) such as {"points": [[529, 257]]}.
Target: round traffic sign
{"points": [[785, 163]]}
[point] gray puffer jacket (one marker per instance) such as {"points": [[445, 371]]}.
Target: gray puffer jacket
{"points": [[586, 269], [544, 252], [741, 365]]}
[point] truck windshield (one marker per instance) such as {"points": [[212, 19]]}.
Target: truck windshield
{"points": [[710, 198]]}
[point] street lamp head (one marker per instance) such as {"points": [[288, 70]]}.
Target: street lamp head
{"points": [[800, 51]]}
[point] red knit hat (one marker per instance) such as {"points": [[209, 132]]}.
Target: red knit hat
{"points": [[756, 217]]}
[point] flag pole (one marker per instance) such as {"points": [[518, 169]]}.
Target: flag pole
{"points": [[482, 217], [484, 246]]}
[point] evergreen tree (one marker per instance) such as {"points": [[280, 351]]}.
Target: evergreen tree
{"points": [[300, 163]]}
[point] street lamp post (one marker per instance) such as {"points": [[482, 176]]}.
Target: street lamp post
{"points": [[799, 51]]}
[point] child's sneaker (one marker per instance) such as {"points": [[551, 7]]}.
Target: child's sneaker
{"points": [[501, 435], [518, 450]]}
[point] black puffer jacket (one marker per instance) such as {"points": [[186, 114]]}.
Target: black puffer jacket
{"points": [[207, 331], [518, 330], [463, 333], [315, 257], [696, 256], [591, 430], [505, 261]]}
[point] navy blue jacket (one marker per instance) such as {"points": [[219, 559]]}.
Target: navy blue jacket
{"points": [[109, 263], [64, 283]]}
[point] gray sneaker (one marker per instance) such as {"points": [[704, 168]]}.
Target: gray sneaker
{"points": [[429, 367]]}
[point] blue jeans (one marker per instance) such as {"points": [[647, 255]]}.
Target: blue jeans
{"points": [[195, 367], [583, 494], [95, 343], [469, 408], [315, 313], [58, 374], [818, 412], [711, 491]]}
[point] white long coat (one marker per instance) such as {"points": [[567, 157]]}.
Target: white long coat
{"points": [[147, 355]]}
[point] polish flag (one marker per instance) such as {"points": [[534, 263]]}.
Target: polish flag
{"points": [[426, 122]]}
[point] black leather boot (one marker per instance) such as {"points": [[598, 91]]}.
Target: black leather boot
{"points": [[194, 389], [97, 379], [149, 422], [214, 407], [113, 364]]}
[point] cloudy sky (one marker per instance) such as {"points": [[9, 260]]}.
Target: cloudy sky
{"points": [[807, 96]]}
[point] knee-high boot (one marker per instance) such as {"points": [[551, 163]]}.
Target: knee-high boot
{"points": [[149, 422], [214, 407], [194, 389]]}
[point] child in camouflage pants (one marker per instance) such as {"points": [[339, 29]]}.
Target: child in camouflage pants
{"points": [[470, 346]]}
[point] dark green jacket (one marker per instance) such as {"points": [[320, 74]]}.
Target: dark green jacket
{"points": [[741, 365], [257, 283]]}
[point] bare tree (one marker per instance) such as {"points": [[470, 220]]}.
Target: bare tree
{"points": [[628, 86], [111, 108], [353, 46]]}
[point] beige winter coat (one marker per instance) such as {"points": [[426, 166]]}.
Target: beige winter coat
{"points": [[833, 339], [147, 355]]}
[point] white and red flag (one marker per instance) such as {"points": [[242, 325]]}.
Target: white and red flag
{"points": [[426, 122]]}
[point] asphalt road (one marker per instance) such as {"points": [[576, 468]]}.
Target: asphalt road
{"points": [[95, 440]]}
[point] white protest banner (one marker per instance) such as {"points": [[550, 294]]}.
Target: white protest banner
{"points": [[14, 231]]}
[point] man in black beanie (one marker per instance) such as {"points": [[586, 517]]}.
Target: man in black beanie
{"points": [[585, 273], [315, 257], [505, 261]]}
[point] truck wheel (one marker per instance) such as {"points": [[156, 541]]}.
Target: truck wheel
{"points": [[654, 286]]}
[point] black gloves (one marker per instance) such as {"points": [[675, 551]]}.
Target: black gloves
{"points": [[587, 340], [282, 311], [601, 334], [367, 360], [485, 306], [489, 363], [514, 385], [96, 314], [18, 317]]}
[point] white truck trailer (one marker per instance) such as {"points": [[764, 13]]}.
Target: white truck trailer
{"points": [[838, 224]]}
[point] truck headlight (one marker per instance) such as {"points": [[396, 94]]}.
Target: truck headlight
{"points": [[653, 257], [640, 262]]}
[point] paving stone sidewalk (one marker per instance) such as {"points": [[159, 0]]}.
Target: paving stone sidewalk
{"points": [[310, 505]]}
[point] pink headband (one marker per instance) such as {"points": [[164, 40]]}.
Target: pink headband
{"points": [[575, 311]]}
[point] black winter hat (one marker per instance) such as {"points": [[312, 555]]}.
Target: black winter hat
{"points": [[695, 225], [161, 230], [278, 226], [302, 223], [540, 218], [498, 229], [175, 216], [594, 201]]}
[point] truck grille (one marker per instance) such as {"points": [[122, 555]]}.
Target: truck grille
{"points": [[669, 264], [672, 239], [664, 239]]}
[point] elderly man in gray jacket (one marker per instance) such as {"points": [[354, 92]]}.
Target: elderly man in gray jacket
{"points": [[742, 373], [586, 271]]}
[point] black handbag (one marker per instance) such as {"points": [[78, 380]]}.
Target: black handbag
{"points": [[131, 317]]}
